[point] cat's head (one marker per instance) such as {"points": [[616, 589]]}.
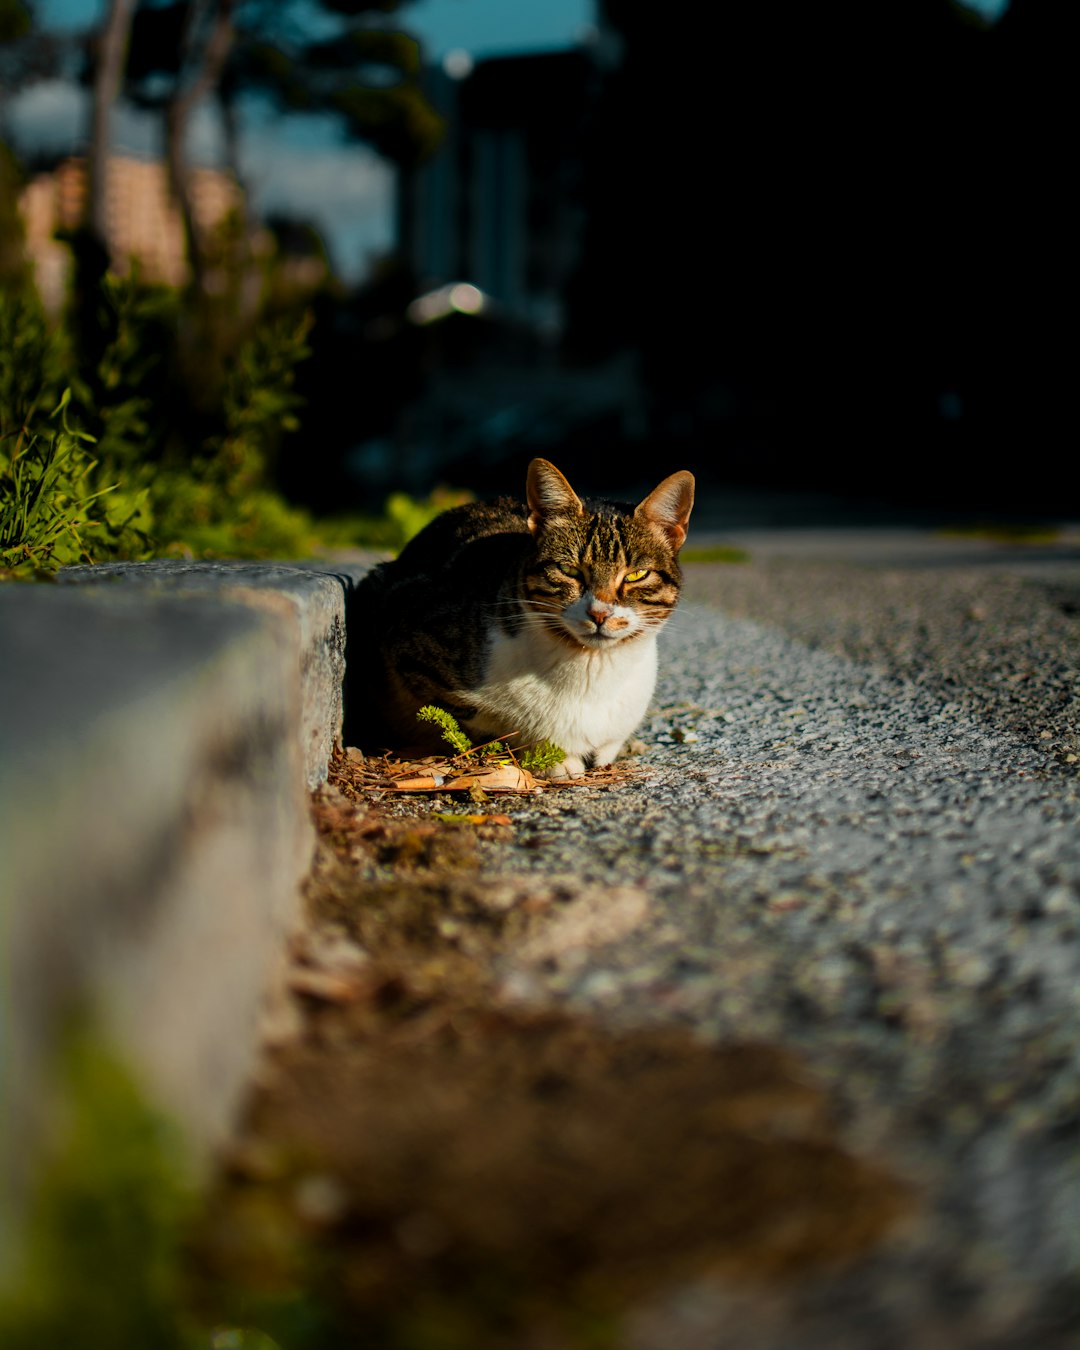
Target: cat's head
{"points": [[604, 574]]}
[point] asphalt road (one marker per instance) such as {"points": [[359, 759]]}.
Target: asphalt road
{"points": [[858, 839]]}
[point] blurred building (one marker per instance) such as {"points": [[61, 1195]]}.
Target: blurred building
{"points": [[144, 224], [492, 231], [500, 204]]}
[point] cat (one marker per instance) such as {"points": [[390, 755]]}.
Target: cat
{"points": [[528, 623]]}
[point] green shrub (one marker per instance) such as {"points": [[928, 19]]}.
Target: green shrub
{"points": [[409, 515], [51, 513], [184, 419], [220, 501], [185, 476], [403, 517]]}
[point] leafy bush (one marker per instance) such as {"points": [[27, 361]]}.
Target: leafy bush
{"points": [[409, 515], [50, 513], [186, 475], [184, 419], [403, 517], [31, 364], [219, 502]]}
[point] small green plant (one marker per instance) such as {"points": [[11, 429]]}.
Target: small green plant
{"points": [[535, 758], [452, 734], [543, 755]]}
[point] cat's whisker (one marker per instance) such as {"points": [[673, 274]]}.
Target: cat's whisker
{"points": [[516, 607], [531, 617], [540, 624]]}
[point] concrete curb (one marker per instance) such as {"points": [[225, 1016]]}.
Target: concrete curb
{"points": [[159, 726]]}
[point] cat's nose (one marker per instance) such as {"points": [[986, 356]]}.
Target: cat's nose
{"points": [[599, 612]]}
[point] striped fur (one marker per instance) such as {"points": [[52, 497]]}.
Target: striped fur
{"points": [[534, 622]]}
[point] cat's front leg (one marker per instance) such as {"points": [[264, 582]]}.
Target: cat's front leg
{"points": [[573, 766], [607, 754]]}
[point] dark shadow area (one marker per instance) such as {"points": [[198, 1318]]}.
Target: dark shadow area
{"points": [[808, 249], [361, 726]]}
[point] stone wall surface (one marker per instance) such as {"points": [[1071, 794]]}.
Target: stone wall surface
{"points": [[159, 726]]}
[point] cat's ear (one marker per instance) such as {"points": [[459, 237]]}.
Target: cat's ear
{"points": [[667, 508], [549, 494]]}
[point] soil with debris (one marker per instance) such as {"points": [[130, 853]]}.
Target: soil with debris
{"points": [[770, 1040]]}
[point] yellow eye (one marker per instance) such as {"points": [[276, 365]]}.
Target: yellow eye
{"points": [[636, 576], [574, 573]]}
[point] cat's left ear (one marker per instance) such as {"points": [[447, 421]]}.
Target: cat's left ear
{"points": [[549, 494], [667, 508]]}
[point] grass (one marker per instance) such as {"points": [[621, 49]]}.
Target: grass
{"points": [[714, 553], [1010, 532]]}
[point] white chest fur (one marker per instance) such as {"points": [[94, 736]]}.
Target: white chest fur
{"points": [[588, 702]]}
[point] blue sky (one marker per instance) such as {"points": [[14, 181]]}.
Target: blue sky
{"points": [[481, 27], [494, 27]]}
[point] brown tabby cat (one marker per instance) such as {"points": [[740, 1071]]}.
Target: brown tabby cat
{"points": [[527, 623]]}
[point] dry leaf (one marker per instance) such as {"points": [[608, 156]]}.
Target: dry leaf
{"points": [[499, 778], [355, 775], [426, 782], [325, 985]]}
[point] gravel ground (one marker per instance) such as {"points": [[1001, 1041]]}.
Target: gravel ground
{"points": [[858, 840], [851, 844]]}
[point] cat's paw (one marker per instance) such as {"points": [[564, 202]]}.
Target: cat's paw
{"points": [[573, 766]]}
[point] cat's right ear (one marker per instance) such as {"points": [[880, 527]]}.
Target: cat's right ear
{"points": [[549, 495], [667, 508]]}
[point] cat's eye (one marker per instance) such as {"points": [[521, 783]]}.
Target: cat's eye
{"points": [[574, 573], [637, 576]]}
